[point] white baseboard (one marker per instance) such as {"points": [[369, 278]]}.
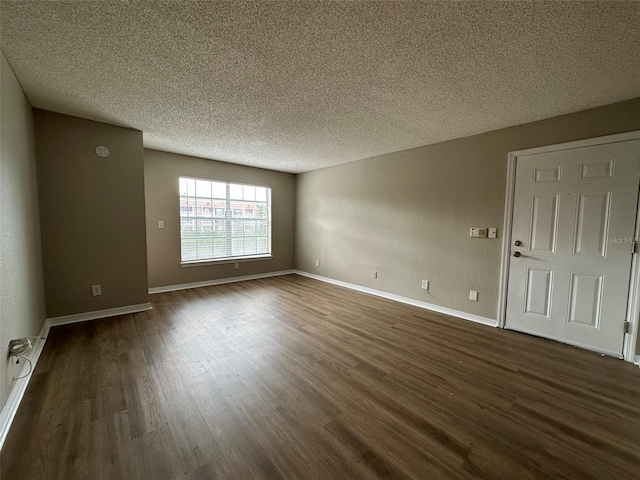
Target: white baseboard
{"points": [[220, 281], [409, 301], [20, 386], [109, 312]]}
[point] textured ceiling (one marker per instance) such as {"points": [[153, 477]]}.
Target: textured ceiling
{"points": [[296, 86]]}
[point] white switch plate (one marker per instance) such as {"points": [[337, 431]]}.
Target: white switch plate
{"points": [[317, 263], [96, 290], [425, 284], [493, 233], [160, 223], [473, 295]]}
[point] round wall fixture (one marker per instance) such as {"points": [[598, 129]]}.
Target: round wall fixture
{"points": [[102, 151]]}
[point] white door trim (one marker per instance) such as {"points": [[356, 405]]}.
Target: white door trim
{"points": [[633, 310], [634, 289]]}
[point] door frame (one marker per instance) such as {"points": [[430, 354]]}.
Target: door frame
{"points": [[633, 305]]}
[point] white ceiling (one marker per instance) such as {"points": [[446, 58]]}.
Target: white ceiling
{"points": [[296, 86]]}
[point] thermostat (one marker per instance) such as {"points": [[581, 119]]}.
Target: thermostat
{"points": [[478, 232]]}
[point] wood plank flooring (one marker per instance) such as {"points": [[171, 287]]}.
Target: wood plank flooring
{"points": [[291, 378]]}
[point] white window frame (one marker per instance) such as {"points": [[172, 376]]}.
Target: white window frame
{"points": [[228, 219]]}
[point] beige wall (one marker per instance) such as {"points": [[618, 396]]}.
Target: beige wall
{"points": [[162, 171], [407, 214], [22, 310], [92, 214]]}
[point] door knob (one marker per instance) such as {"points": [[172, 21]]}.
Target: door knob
{"points": [[517, 243], [517, 254]]}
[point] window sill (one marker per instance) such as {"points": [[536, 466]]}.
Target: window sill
{"points": [[222, 261]]}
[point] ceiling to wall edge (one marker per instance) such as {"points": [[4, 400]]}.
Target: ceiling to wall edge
{"points": [[329, 166]]}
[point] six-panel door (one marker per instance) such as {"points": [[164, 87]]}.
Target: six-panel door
{"points": [[574, 217]]}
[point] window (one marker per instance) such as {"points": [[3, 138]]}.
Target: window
{"points": [[222, 220]]}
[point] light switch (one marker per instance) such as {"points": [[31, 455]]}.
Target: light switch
{"points": [[493, 233], [160, 223], [473, 295]]}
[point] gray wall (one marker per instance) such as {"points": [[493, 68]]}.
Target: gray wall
{"points": [[22, 308], [407, 214], [162, 170], [91, 214]]}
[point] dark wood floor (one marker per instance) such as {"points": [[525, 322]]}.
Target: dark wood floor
{"points": [[292, 378]]}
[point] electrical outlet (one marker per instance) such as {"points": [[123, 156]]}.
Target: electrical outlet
{"points": [[236, 265], [160, 223], [374, 274], [425, 284], [317, 263], [473, 295], [493, 233], [96, 290]]}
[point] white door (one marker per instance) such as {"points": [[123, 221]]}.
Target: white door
{"points": [[573, 225]]}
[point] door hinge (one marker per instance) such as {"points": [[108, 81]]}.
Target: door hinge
{"points": [[627, 327], [634, 247]]}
